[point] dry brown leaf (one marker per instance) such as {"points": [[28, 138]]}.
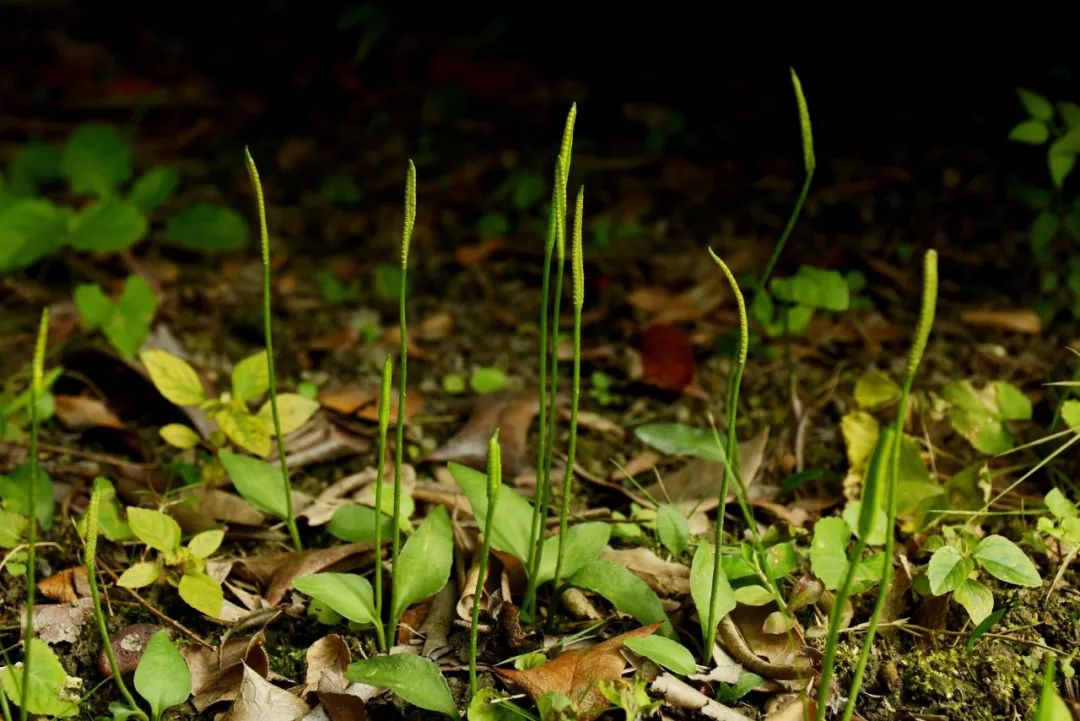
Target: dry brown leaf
{"points": [[346, 400], [80, 412], [577, 673], [414, 403], [61, 622], [795, 710], [260, 700], [295, 564], [1015, 320], [595, 422], [335, 496], [680, 694], [327, 660], [216, 674], [511, 413], [782, 649], [436, 627], [128, 646], [642, 462], [206, 508], [667, 578], [694, 485], [435, 327], [475, 254], [66, 586], [343, 706]]}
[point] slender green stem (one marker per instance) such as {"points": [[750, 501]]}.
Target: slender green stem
{"points": [[494, 483], [95, 597], [399, 444], [875, 475], [36, 386], [577, 261], [264, 240], [380, 466], [922, 334], [731, 451], [556, 239]]}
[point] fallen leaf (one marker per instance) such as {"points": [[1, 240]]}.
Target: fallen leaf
{"points": [[667, 578], [61, 622], [277, 571], [216, 673], [475, 254], [795, 710], [434, 327], [343, 706], [81, 412], [667, 358], [1016, 320], [577, 673], [205, 508], [327, 660], [260, 700], [66, 586], [335, 496], [414, 403], [511, 413], [346, 400], [680, 694], [694, 485], [642, 462]]}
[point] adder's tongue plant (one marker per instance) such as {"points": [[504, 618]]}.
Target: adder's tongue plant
{"points": [[380, 465]]}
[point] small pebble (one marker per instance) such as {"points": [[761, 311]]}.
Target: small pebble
{"points": [[128, 646]]}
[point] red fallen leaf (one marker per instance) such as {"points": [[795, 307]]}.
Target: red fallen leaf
{"points": [[667, 358], [79, 412], [511, 413], [578, 673]]}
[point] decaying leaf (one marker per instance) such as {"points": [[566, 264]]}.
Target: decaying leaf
{"points": [[81, 412], [1016, 320], [327, 660], [61, 622], [667, 578], [66, 586], [216, 673], [680, 694], [511, 413], [694, 486], [577, 673], [277, 571], [260, 700], [667, 358]]}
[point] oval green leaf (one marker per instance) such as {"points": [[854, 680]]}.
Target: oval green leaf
{"points": [[415, 678]]}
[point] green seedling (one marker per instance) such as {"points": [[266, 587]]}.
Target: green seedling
{"points": [[799, 296], [487, 380], [982, 415], [335, 291], [274, 402], [556, 232], [578, 277], [399, 445], [162, 677], [126, 322], [414, 678], [957, 560], [922, 335], [600, 384], [348, 595], [15, 404], [182, 566], [251, 430], [96, 161], [494, 483], [631, 696], [1062, 525], [102, 488]]}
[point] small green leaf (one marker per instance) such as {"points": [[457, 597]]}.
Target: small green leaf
{"points": [[162, 676], [680, 439], [356, 524], [139, 575], [108, 226], [874, 389], [515, 513], [30, 229], [154, 528], [815, 288], [664, 652], [584, 542], [878, 522], [828, 551], [14, 489], [672, 528], [294, 410], [1004, 560], [96, 159], [626, 592], [975, 598], [154, 188], [981, 415], [1070, 413], [50, 693], [207, 227], [348, 594], [251, 377], [257, 481], [252, 433], [947, 569], [425, 562], [701, 583], [173, 377], [1044, 229], [202, 593], [34, 163], [203, 545], [1036, 105], [1059, 505], [487, 705], [94, 306], [1060, 162], [179, 436], [1051, 706], [12, 528], [780, 560], [487, 380], [415, 678], [1031, 131], [860, 431]]}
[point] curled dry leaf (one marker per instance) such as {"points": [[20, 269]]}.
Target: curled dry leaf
{"points": [[61, 622], [681, 695], [667, 578], [259, 700], [577, 673], [66, 586], [335, 496], [277, 571], [327, 660], [320, 440], [81, 412], [435, 629], [216, 673], [511, 413]]}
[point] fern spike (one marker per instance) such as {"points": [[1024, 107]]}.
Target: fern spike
{"points": [[809, 162], [494, 483], [264, 243], [410, 214]]}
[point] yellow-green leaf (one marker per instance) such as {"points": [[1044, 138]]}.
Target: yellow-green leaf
{"points": [[252, 433], [294, 410], [154, 528], [139, 575], [251, 377], [202, 593], [203, 545], [173, 377], [179, 436], [874, 389]]}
